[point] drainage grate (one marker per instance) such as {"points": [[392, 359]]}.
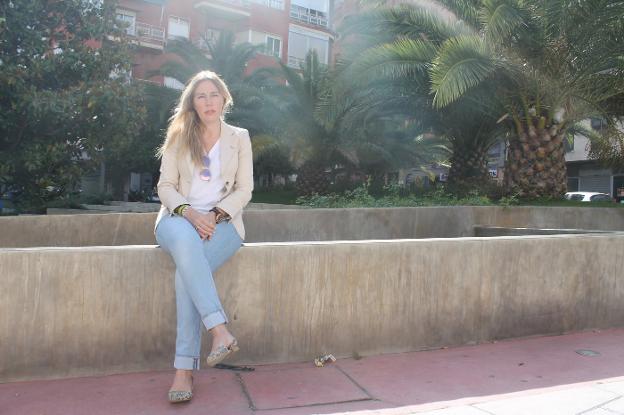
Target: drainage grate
{"points": [[587, 352]]}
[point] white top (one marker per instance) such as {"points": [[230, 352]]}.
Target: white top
{"points": [[205, 194]]}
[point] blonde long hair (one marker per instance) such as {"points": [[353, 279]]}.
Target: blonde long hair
{"points": [[185, 127]]}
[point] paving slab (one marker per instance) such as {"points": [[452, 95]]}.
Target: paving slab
{"points": [[599, 411], [565, 402], [333, 409], [457, 410], [616, 406], [616, 387], [288, 388]]}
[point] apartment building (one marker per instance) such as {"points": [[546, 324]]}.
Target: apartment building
{"points": [[587, 175], [288, 29]]}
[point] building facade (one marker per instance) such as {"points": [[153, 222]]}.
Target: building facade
{"points": [[587, 175], [287, 29]]}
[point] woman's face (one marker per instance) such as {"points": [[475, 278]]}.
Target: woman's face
{"points": [[208, 102]]}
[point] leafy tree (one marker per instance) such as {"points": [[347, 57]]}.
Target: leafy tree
{"points": [[138, 154], [58, 100]]}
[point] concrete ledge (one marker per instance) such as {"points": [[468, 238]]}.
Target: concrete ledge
{"points": [[502, 231], [277, 225], [85, 311], [139, 207]]}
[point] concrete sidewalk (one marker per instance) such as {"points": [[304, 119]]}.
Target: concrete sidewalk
{"points": [[545, 375]]}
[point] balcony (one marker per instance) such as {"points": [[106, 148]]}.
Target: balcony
{"points": [[143, 34], [295, 62], [311, 16], [150, 36]]}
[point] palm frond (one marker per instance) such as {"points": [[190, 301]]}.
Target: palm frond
{"points": [[466, 10], [607, 146], [404, 20], [503, 19], [174, 69], [188, 53], [404, 58], [463, 63]]}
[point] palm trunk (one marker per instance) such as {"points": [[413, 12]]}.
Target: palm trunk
{"points": [[311, 179], [535, 165], [468, 170]]}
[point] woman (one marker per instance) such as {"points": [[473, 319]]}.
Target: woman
{"points": [[205, 181]]}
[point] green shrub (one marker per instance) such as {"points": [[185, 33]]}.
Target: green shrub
{"points": [[392, 196]]}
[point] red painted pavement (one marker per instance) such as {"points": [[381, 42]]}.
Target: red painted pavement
{"points": [[486, 374]]}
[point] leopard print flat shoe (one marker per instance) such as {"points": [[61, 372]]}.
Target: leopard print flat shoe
{"points": [[221, 353], [181, 396]]}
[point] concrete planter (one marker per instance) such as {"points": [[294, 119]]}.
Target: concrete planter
{"points": [[69, 311]]}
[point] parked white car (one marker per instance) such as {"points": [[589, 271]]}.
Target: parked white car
{"points": [[588, 197]]}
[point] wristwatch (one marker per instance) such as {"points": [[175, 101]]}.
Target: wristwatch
{"points": [[220, 216]]}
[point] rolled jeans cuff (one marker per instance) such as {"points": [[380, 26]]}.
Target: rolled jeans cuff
{"points": [[214, 319], [186, 362]]}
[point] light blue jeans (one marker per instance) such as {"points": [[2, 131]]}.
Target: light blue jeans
{"points": [[197, 299]]}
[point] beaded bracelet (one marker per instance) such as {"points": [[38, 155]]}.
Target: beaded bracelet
{"points": [[181, 209]]}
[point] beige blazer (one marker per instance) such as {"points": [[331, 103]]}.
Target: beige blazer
{"points": [[176, 171]]}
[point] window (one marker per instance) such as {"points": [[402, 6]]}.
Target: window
{"points": [[495, 150], [209, 37], [598, 124], [300, 42], [128, 20], [573, 184], [600, 198], [173, 83], [178, 28], [576, 196], [271, 43], [273, 46]]}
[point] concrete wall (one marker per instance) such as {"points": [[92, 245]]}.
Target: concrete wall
{"points": [[308, 224], [501, 231], [83, 311]]}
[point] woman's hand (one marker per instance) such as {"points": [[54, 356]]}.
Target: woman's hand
{"points": [[204, 223]]}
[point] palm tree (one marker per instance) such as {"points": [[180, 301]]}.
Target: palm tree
{"points": [[399, 44], [539, 68], [224, 57], [553, 63], [314, 146], [341, 132]]}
